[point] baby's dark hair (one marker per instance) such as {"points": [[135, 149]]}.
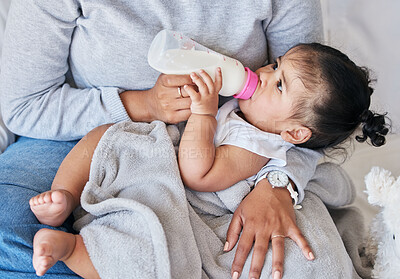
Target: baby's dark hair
{"points": [[340, 99]]}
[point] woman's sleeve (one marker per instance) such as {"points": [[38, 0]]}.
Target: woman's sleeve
{"points": [[36, 100], [292, 22]]}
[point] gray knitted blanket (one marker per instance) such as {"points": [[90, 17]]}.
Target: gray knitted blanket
{"points": [[138, 221]]}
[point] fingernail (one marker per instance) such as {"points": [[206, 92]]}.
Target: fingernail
{"points": [[311, 255], [277, 275], [235, 275], [192, 75], [226, 246]]}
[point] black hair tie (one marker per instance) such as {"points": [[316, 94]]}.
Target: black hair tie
{"points": [[367, 116], [374, 128]]}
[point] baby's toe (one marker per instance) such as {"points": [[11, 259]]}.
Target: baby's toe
{"points": [[47, 197]]}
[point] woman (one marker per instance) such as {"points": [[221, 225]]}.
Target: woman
{"points": [[72, 65]]}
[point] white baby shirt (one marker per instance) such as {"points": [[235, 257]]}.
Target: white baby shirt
{"points": [[234, 130]]}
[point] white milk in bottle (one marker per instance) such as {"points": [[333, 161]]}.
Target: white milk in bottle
{"points": [[172, 53]]}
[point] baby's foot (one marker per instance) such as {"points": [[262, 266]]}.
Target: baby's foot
{"points": [[52, 207], [49, 247]]}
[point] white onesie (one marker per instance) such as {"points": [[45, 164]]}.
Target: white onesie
{"points": [[234, 130]]}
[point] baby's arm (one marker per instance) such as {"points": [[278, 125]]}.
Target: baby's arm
{"points": [[204, 167]]}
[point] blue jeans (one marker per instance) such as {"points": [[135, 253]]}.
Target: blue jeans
{"points": [[27, 168]]}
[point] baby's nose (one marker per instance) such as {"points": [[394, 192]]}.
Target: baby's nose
{"points": [[264, 79]]}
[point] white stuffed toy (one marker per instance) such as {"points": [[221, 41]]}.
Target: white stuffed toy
{"points": [[383, 246]]}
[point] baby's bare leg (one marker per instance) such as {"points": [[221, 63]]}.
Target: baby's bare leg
{"points": [[51, 246], [53, 207]]}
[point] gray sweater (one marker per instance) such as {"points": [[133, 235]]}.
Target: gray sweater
{"points": [[65, 62]]}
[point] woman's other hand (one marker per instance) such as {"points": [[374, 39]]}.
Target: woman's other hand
{"points": [[166, 101], [264, 213]]}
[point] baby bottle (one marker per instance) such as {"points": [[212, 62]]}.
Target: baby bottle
{"points": [[173, 53]]}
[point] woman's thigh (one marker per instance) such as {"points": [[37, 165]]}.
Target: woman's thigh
{"points": [[26, 168]]}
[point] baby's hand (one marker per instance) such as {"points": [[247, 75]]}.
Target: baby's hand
{"points": [[206, 100]]}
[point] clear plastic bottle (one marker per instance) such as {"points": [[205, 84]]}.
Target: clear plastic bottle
{"points": [[173, 53]]}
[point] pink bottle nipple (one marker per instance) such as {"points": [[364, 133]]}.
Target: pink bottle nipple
{"points": [[249, 87]]}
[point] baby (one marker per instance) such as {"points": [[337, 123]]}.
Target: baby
{"points": [[314, 97]]}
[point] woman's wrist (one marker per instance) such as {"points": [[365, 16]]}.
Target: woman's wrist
{"points": [[135, 103], [282, 194]]}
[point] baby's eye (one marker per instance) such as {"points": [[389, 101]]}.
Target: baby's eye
{"points": [[275, 66], [279, 85]]}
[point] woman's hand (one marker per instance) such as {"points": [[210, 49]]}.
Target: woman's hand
{"points": [[166, 101], [264, 213]]}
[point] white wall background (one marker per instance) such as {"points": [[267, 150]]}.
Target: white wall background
{"points": [[369, 32]]}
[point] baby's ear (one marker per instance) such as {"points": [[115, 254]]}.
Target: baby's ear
{"points": [[299, 134]]}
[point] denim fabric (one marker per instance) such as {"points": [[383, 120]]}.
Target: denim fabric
{"points": [[27, 168]]}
